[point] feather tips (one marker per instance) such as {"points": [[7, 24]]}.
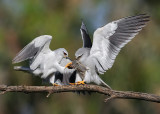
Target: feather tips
{"points": [[112, 37], [30, 50]]}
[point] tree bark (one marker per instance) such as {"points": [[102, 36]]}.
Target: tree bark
{"points": [[111, 94]]}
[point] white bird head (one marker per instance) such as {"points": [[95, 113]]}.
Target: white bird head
{"points": [[61, 52], [82, 53]]}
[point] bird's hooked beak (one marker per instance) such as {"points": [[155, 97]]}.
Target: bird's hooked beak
{"points": [[69, 65], [68, 58]]}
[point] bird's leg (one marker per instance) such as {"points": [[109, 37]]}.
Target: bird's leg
{"points": [[55, 84], [80, 82]]}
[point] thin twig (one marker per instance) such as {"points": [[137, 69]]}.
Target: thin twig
{"points": [[112, 94], [49, 93]]}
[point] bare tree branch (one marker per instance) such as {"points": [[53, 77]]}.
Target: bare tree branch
{"points": [[111, 94]]}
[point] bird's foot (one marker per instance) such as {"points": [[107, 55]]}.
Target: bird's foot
{"points": [[72, 83], [80, 83], [68, 65], [54, 84]]}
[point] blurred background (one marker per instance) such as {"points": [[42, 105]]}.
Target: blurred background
{"points": [[135, 69]]}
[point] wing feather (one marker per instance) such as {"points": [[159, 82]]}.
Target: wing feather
{"points": [[33, 48], [85, 36], [109, 39]]}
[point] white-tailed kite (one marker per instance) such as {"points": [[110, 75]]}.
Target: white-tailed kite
{"points": [[108, 40], [43, 62]]}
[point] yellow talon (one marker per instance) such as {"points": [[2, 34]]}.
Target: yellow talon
{"points": [[72, 83], [54, 84], [80, 82], [68, 65]]}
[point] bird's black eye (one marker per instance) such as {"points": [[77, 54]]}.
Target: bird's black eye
{"points": [[64, 53], [79, 57]]}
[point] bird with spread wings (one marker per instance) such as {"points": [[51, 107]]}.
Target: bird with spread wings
{"points": [[91, 60], [43, 62], [108, 40]]}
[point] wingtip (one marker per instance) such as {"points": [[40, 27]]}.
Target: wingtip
{"points": [[14, 61], [143, 15], [83, 26], [83, 23]]}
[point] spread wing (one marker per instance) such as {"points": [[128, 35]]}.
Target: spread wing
{"points": [[33, 48], [85, 36], [109, 39]]}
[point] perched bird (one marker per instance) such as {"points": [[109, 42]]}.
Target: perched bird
{"points": [[43, 62], [108, 40]]}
